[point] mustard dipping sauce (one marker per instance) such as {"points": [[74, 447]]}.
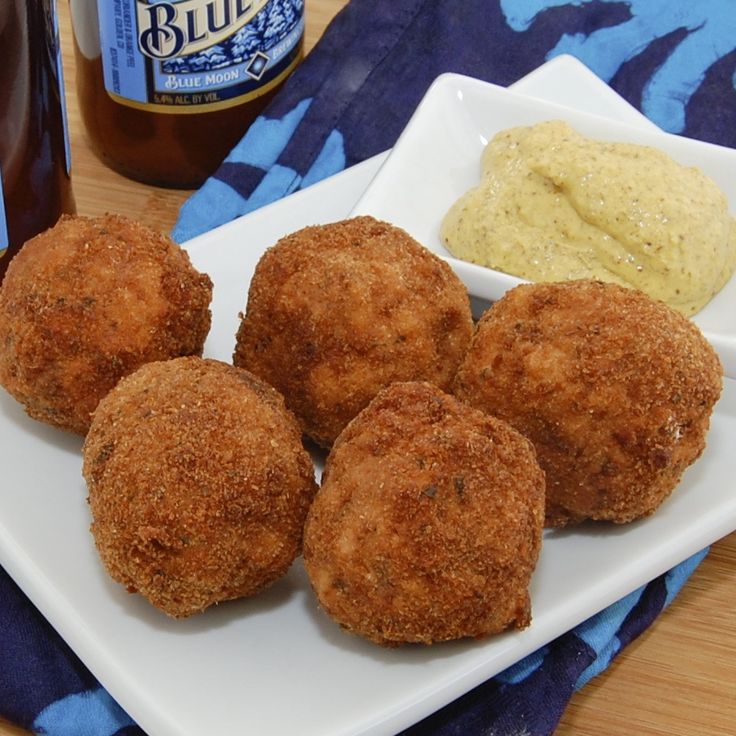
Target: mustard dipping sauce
{"points": [[553, 205]]}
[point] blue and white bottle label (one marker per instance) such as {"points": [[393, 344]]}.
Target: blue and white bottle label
{"points": [[4, 237], [197, 55]]}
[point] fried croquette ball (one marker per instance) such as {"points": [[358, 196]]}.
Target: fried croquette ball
{"points": [[198, 484], [88, 301], [336, 312], [427, 526], [614, 389]]}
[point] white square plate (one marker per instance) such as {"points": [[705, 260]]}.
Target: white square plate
{"points": [[437, 159], [274, 664]]}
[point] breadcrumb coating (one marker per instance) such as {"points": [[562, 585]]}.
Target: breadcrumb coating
{"points": [[88, 301], [614, 389], [336, 312], [428, 523], [198, 484]]}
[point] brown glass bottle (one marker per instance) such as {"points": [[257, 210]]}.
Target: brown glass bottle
{"points": [[34, 154], [153, 140]]}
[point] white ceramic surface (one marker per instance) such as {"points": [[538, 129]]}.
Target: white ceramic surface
{"points": [[275, 664], [437, 159]]}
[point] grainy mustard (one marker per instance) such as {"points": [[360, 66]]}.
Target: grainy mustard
{"points": [[553, 205]]}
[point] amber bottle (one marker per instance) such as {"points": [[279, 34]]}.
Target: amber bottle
{"points": [[167, 89], [35, 184]]}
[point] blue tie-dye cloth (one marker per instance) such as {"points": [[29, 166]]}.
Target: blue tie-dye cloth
{"points": [[675, 60]]}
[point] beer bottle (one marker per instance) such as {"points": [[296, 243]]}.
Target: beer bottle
{"points": [[35, 185], [166, 89]]}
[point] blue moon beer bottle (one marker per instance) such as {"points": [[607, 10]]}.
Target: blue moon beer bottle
{"points": [[167, 87], [35, 185]]}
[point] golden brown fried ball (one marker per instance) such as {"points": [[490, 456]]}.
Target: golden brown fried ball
{"points": [[198, 483], [336, 312], [428, 523], [614, 389], [88, 301]]}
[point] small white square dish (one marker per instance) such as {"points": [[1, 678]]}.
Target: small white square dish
{"points": [[437, 159]]}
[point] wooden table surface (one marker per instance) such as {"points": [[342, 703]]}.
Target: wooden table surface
{"points": [[678, 678]]}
